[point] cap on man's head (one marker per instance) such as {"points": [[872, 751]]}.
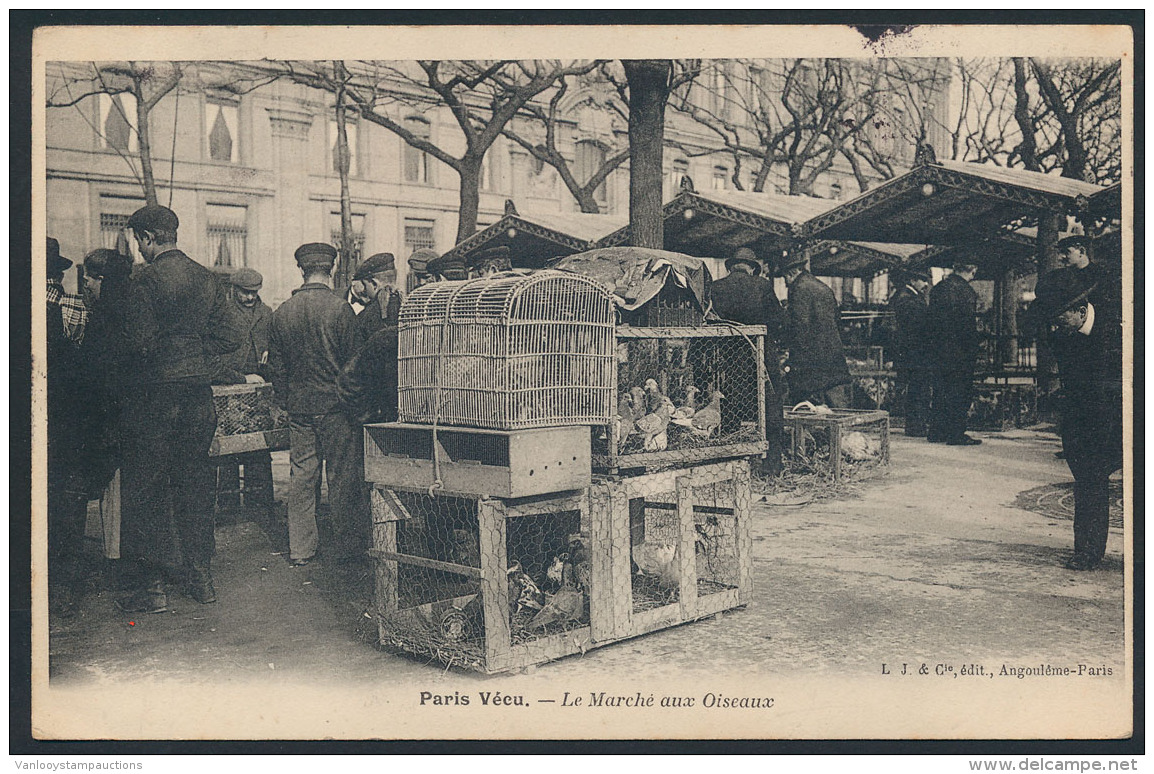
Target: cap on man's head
{"points": [[315, 254], [57, 264], [910, 273], [962, 266], [1077, 240], [421, 258], [449, 267], [375, 264], [247, 279], [792, 257], [1057, 291], [104, 262], [744, 256], [154, 217]]}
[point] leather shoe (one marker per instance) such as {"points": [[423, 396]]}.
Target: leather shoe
{"points": [[152, 599], [1082, 562], [964, 440]]}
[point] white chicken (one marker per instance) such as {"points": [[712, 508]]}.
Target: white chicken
{"points": [[658, 560]]}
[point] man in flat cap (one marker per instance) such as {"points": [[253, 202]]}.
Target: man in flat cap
{"points": [[250, 317], [375, 284], [176, 323], [913, 348], [1087, 343], [1074, 251], [419, 265], [817, 368], [953, 328], [448, 267], [312, 336], [744, 296]]}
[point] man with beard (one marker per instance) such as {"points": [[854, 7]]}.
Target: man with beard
{"points": [[249, 316]]}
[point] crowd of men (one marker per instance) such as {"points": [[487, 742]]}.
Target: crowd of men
{"points": [[132, 361]]}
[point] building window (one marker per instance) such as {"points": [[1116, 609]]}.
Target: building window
{"points": [[835, 191], [418, 234], [492, 174], [719, 87], [358, 225], [118, 122], [590, 158], [720, 179], [227, 236], [351, 134], [114, 214], [220, 126], [417, 161]]}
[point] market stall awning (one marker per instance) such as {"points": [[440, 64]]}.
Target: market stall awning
{"points": [[715, 224], [951, 202], [534, 238]]}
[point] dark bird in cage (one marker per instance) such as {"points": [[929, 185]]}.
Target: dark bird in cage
{"points": [[580, 567], [567, 604], [651, 427], [689, 408], [627, 420], [558, 568], [523, 591], [706, 421], [653, 396]]}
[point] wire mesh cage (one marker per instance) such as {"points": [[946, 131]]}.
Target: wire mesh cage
{"points": [[673, 306], [685, 395], [247, 419], [492, 585], [837, 443], [515, 350], [478, 584]]}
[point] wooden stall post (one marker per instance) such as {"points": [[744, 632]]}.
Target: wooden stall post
{"points": [[687, 550], [494, 584], [385, 540], [742, 508]]}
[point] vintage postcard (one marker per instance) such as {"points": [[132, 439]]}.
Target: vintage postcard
{"points": [[577, 531]]}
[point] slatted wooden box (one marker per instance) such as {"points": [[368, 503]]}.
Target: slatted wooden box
{"points": [[247, 420], [839, 444], [645, 553], [726, 358]]}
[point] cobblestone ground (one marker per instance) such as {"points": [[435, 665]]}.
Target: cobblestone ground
{"points": [[931, 562]]}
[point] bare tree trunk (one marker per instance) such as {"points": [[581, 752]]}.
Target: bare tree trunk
{"points": [[648, 94], [1008, 293], [345, 268], [586, 202], [470, 194], [144, 142]]}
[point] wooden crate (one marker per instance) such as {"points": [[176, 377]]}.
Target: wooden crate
{"points": [[819, 440], [728, 358], [498, 463], [247, 420], [444, 590]]}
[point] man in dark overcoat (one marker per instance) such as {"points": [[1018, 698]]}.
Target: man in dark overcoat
{"points": [[375, 284], [913, 348], [175, 324], [250, 316], [1087, 343], [817, 368], [744, 296], [954, 330], [313, 335]]}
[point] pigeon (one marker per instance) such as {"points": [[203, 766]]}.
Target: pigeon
{"points": [[652, 425], [706, 421], [638, 396], [653, 396], [627, 420], [690, 407]]}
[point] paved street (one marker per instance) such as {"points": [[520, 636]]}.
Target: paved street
{"points": [[933, 563]]}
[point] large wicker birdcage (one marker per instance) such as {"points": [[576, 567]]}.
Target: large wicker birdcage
{"points": [[511, 351]]}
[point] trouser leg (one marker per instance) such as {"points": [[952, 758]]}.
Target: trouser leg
{"points": [[304, 476], [344, 455], [258, 479], [192, 476], [145, 537], [917, 403], [1091, 517]]}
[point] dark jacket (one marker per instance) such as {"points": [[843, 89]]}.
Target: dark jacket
{"points": [[176, 322], [913, 347], [749, 300], [252, 326], [367, 387], [1090, 367], [378, 313], [953, 325], [816, 359], [312, 336]]}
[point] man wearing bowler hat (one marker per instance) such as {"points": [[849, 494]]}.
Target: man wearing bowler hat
{"points": [[953, 326], [817, 368], [1087, 343], [375, 284], [913, 348], [313, 335], [250, 316], [746, 297], [175, 324]]}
